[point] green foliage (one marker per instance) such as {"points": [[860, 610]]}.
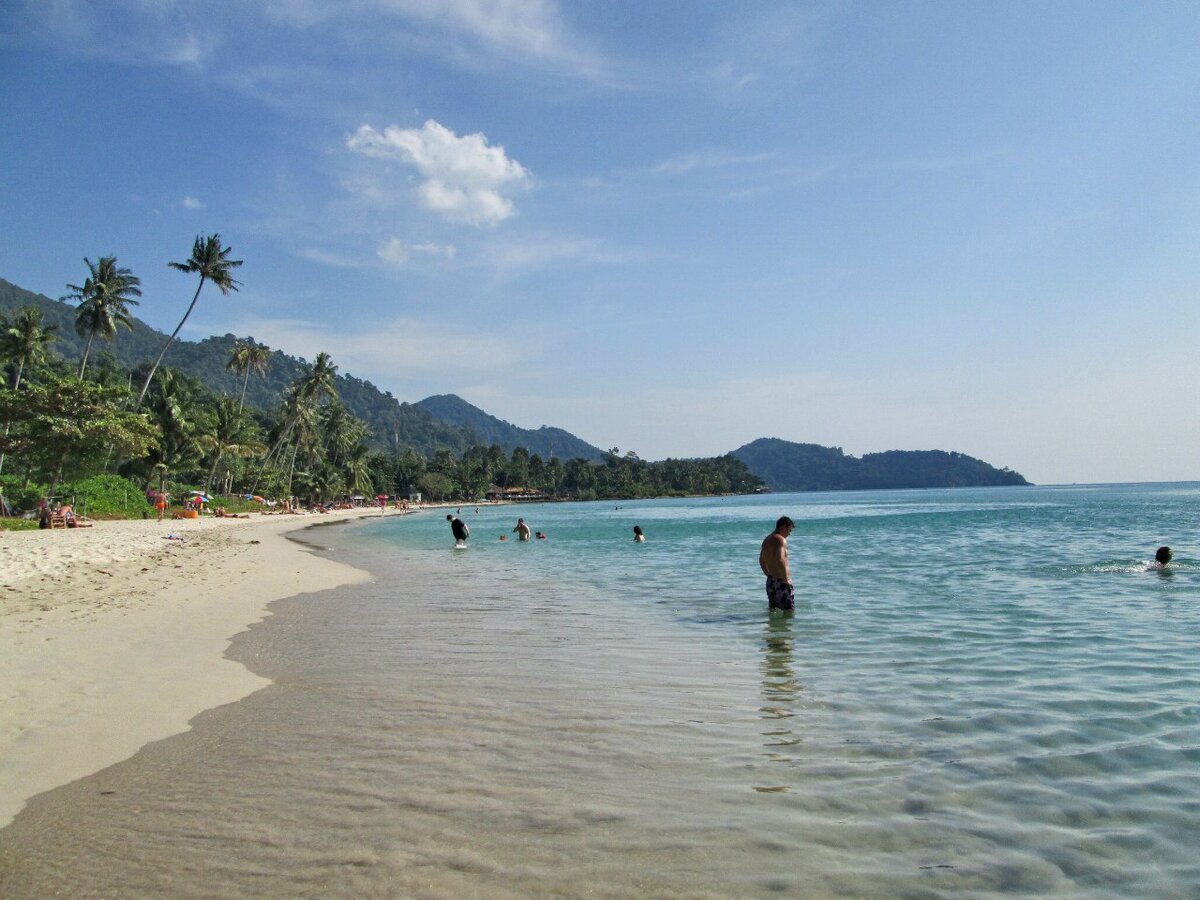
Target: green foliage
{"points": [[18, 524], [67, 427], [21, 494], [107, 497]]}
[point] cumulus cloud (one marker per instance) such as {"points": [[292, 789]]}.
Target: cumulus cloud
{"points": [[465, 179], [190, 202], [398, 252]]}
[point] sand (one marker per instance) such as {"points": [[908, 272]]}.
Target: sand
{"points": [[114, 636]]}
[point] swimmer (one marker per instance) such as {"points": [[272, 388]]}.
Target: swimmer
{"points": [[541, 535], [1162, 556], [638, 537]]}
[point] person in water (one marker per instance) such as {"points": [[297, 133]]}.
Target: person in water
{"points": [[522, 530], [773, 560], [460, 529], [638, 537], [1162, 556]]}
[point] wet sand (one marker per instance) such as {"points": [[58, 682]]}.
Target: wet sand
{"points": [[114, 636]]}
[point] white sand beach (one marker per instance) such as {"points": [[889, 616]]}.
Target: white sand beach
{"points": [[113, 636]]}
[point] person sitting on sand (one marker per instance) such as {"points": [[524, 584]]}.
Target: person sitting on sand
{"points": [[1162, 556], [638, 537]]}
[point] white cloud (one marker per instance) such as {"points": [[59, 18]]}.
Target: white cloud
{"points": [[464, 177], [190, 202], [398, 253], [710, 159], [389, 350]]}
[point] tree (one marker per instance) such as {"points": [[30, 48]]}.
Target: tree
{"points": [[245, 358], [309, 390], [66, 425], [104, 300], [211, 262], [232, 434], [24, 341]]}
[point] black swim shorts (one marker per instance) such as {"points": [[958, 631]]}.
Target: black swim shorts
{"points": [[780, 594]]}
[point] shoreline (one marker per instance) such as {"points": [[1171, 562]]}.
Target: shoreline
{"points": [[114, 636]]}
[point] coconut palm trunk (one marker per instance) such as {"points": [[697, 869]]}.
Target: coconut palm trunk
{"points": [[167, 345], [87, 351]]}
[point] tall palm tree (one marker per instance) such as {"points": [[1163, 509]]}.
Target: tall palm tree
{"points": [[309, 390], [212, 263], [104, 300], [25, 341], [247, 357]]}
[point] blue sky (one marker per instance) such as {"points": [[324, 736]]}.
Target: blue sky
{"points": [[670, 227]]}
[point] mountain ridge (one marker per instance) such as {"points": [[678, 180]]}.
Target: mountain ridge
{"points": [[448, 422]]}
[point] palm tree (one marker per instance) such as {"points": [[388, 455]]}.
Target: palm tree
{"points": [[24, 340], [231, 434], [309, 390], [245, 358], [212, 263], [104, 300]]}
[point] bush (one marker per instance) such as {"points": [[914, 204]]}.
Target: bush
{"points": [[21, 499], [107, 497]]}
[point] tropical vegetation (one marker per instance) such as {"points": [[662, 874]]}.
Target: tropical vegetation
{"points": [[72, 431]]}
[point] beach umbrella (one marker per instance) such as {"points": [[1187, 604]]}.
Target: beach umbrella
{"points": [[201, 496]]}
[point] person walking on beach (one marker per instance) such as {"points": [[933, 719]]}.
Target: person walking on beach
{"points": [[522, 530], [460, 529], [773, 560]]}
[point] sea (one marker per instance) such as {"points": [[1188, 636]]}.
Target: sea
{"points": [[981, 692]]}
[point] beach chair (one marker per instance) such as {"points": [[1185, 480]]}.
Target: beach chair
{"points": [[58, 519]]}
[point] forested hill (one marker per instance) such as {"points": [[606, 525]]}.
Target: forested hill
{"points": [[393, 424], [786, 466], [545, 441]]}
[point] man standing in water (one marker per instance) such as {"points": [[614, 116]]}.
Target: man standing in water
{"points": [[773, 560], [522, 530], [460, 529]]}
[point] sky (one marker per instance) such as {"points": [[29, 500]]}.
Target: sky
{"points": [[669, 227]]}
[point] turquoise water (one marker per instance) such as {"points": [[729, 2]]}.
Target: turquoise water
{"points": [[990, 678], [981, 692]]}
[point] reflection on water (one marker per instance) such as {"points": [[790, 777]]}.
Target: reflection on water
{"points": [[781, 693]]}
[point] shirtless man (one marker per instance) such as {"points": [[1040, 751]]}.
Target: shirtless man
{"points": [[522, 530], [773, 560]]}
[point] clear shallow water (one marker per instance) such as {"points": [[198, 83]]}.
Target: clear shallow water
{"points": [[981, 691]]}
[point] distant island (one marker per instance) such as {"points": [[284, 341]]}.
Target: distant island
{"points": [[787, 466]]}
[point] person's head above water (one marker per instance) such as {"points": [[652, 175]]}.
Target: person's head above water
{"points": [[449, 517], [784, 522], [1163, 555], [637, 529]]}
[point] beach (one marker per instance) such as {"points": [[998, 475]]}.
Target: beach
{"points": [[114, 636]]}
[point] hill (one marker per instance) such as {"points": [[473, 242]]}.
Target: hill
{"points": [[393, 424], [545, 441], [787, 466]]}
